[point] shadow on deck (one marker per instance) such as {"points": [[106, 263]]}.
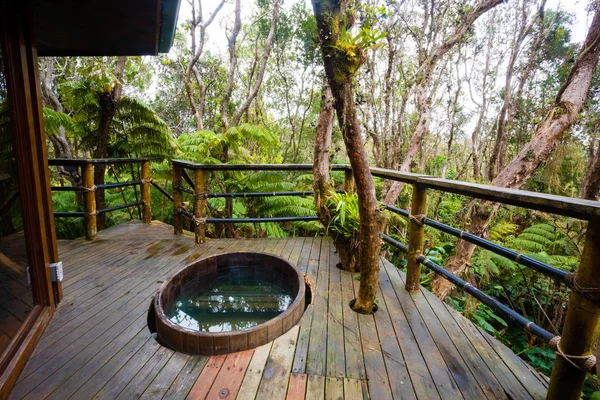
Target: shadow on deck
{"points": [[98, 344]]}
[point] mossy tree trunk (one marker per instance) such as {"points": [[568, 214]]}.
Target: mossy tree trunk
{"points": [[322, 178], [342, 61]]}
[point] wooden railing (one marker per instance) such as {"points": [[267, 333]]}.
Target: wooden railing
{"points": [[85, 169], [582, 322]]}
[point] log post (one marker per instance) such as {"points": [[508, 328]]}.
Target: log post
{"points": [[199, 204], [177, 201], [89, 202], [416, 235], [348, 181], [582, 322], [146, 191]]}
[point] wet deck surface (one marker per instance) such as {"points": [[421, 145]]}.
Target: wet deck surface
{"points": [[98, 345]]}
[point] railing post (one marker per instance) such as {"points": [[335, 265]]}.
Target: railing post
{"points": [[416, 234], [146, 192], [89, 202], [582, 322], [199, 204], [177, 200], [348, 181]]}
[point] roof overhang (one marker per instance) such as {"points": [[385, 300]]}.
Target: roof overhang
{"points": [[104, 27]]}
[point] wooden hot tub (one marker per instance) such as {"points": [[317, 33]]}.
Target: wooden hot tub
{"points": [[212, 294]]}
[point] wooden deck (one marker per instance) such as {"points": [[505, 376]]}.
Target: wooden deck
{"points": [[98, 345]]}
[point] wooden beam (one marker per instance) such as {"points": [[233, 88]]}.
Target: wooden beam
{"points": [[177, 200], [582, 322], [146, 191], [89, 202], [416, 235], [199, 204]]}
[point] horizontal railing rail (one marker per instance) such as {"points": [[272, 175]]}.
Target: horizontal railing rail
{"points": [[253, 167], [95, 161], [546, 269], [560, 205]]}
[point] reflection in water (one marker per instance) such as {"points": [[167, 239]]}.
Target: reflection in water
{"points": [[229, 302]]}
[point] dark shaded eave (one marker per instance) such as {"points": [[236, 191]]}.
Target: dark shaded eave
{"points": [[104, 27]]}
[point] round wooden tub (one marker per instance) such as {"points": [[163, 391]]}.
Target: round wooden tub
{"points": [[269, 267]]}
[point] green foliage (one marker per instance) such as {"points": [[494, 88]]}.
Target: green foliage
{"points": [[345, 216], [135, 130], [54, 120], [246, 143]]}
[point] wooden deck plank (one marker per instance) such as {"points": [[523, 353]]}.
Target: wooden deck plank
{"points": [[229, 379], [207, 377], [461, 371], [187, 377], [136, 386], [94, 383], [112, 387], [336, 359], [334, 388], [315, 388], [355, 365], [297, 387], [498, 367], [317, 346], [162, 382], [421, 380], [480, 369], [398, 376], [443, 379], [254, 372], [352, 389], [295, 253], [40, 385], [274, 382], [310, 267], [377, 375], [523, 372]]}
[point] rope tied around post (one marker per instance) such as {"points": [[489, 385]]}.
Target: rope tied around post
{"points": [[199, 221], [90, 214], [418, 219], [200, 195], [88, 189], [144, 181], [589, 362], [176, 187], [590, 293]]}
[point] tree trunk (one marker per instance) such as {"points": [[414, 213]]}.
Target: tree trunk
{"points": [[197, 22], [340, 69], [263, 65], [423, 80], [569, 102], [591, 183], [322, 187], [232, 47], [109, 102], [506, 116]]}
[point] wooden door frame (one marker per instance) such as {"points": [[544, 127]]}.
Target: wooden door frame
{"points": [[24, 99]]}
